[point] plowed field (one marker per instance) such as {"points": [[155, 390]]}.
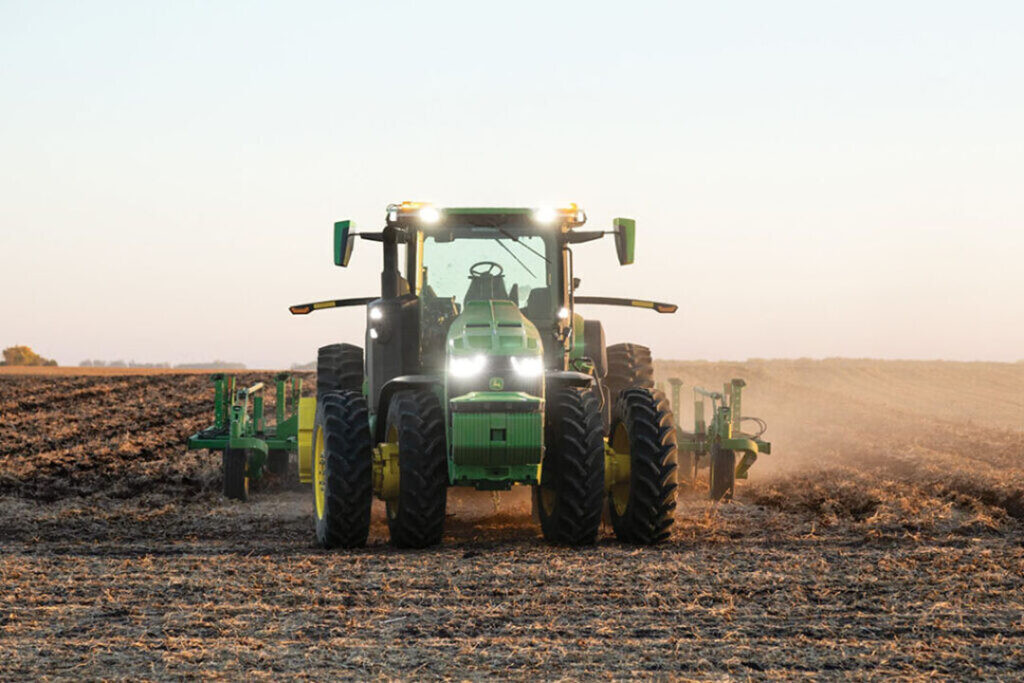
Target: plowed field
{"points": [[883, 538]]}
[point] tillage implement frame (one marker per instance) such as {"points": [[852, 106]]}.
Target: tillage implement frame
{"points": [[714, 445], [249, 445]]}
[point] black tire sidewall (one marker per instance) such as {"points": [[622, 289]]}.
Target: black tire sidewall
{"points": [[650, 428], [418, 419], [348, 466], [722, 474], [339, 367], [235, 462], [573, 468]]}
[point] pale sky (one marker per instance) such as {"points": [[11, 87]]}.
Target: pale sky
{"points": [[809, 178]]}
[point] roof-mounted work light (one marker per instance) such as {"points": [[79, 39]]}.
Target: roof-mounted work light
{"points": [[566, 213]]}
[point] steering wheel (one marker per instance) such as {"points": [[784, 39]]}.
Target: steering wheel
{"points": [[486, 268]]}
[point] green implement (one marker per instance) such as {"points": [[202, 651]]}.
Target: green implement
{"points": [[716, 444], [240, 429]]}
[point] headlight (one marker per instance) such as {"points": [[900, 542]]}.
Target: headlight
{"points": [[376, 313], [528, 366], [466, 366]]}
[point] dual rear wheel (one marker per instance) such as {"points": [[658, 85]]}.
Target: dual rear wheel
{"points": [[641, 490], [343, 469], [570, 497], [641, 504]]}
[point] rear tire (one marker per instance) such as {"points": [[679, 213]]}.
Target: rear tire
{"points": [[339, 367], [722, 474], [629, 367], [594, 346], [642, 510], [236, 483], [342, 470], [569, 497], [416, 421]]}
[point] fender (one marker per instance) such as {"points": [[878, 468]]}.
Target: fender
{"points": [[393, 386], [558, 379]]}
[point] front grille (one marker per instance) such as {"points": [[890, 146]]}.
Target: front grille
{"points": [[497, 439]]}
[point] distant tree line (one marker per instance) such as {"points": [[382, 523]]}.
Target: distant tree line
{"points": [[120, 364], [213, 365]]}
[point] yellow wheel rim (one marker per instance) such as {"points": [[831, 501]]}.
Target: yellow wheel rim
{"points": [[319, 474], [620, 489], [392, 505]]}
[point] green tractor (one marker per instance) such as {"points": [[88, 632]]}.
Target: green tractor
{"points": [[479, 372]]}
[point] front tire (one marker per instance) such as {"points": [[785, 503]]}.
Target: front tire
{"points": [[416, 423], [641, 509], [569, 497], [342, 470]]}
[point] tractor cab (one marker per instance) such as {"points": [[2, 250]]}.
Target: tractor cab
{"points": [[439, 262], [459, 257]]}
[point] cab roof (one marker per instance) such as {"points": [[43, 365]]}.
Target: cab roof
{"points": [[424, 214]]}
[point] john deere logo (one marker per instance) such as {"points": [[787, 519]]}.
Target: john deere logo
{"points": [[497, 384]]}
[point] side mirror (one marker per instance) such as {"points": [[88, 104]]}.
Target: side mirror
{"points": [[625, 239], [344, 239]]}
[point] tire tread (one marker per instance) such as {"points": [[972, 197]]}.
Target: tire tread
{"points": [[649, 513], [348, 470], [339, 367], [423, 466], [574, 467]]}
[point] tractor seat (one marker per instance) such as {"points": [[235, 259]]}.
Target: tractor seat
{"points": [[538, 304], [487, 287]]}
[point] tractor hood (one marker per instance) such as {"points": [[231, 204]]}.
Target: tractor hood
{"points": [[493, 328]]}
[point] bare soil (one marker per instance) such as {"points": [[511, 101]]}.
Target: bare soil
{"points": [[883, 538]]}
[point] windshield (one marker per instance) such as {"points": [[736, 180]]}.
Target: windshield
{"points": [[495, 265]]}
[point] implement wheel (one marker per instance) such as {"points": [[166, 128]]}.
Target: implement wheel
{"points": [[342, 470], [415, 423], [569, 497], [339, 367], [277, 463], [236, 483], [641, 507], [723, 474]]}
